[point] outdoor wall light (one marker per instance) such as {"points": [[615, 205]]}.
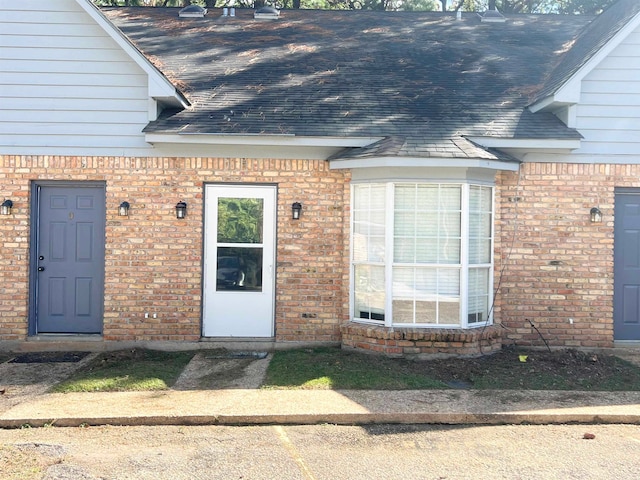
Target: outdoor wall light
{"points": [[596, 215], [181, 210], [296, 208], [123, 209], [5, 208]]}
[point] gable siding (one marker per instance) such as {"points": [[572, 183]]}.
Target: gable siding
{"points": [[66, 87], [608, 115]]}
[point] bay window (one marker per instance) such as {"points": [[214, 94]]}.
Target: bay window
{"points": [[422, 254]]}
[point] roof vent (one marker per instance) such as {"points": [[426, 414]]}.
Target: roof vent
{"points": [[493, 16], [192, 11], [266, 13]]}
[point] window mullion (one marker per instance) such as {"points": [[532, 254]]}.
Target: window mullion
{"points": [[464, 257], [491, 292], [388, 257], [352, 276]]}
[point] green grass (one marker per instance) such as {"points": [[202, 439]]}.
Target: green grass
{"points": [[127, 370], [332, 368]]}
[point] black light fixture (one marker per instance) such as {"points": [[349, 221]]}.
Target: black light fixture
{"points": [[181, 210], [596, 215], [296, 208], [5, 208], [123, 209]]}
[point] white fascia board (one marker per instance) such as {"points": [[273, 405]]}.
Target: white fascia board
{"points": [[541, 104], [422, 162], [548, 103], [569, 92], [259, 139], [159, 86], [533, 144]]}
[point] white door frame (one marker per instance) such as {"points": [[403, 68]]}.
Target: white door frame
{"points": [[239, 311]]}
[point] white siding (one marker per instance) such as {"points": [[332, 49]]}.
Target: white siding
{"points": [[608, 115], [66, 87]]}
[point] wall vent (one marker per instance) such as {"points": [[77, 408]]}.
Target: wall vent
{"points": [[266, 13], [192, 11]]}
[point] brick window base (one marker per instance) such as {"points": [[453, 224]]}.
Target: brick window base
{"points": [[408, 342]]}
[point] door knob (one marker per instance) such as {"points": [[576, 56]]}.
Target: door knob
{"points": [[41, 269]]}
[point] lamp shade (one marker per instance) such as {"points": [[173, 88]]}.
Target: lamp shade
{"points": [[5, 208], [296, 208], [181, 210]]}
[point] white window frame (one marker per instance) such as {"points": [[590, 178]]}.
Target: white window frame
{"points": [[463, 266]]}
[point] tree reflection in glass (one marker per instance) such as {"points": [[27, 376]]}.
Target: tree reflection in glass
{"points": [[239, 222]]}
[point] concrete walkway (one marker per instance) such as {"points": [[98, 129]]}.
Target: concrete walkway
{"points": [[243, 406]]}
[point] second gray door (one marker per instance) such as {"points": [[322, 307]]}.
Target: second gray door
{"points": [[626, 261]]}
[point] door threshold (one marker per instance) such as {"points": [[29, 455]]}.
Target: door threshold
{"points": [[626, 344], [61, 337], [238, 339], [63, 342], [263, 344]]}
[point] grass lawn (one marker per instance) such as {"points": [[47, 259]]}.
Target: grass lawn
{"points": [[333, 368], [127, 370]]}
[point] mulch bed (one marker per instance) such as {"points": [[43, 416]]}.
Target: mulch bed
{"points": [[49, 357]]}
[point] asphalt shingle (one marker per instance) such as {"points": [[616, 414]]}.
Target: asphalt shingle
{"points": [[422, 77]]}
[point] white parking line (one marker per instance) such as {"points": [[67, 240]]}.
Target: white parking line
{"points": [[293, 452]]}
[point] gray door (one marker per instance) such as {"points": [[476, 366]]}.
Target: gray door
{"points": [[69, 270], [626, 267]]}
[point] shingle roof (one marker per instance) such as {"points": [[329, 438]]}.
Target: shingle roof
{"points": [[592, 38], [422, 79]]}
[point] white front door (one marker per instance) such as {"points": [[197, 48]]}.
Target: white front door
{"points": [[239, 261]]}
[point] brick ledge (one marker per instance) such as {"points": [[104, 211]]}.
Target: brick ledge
{"points": [[421, 342]]}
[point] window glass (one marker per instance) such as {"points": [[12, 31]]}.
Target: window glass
{"points": [[427, 261], [449, 197], [427, 250], [427, 224], [240, 220], [239, 268], [478, 308], [369, 223], [369, 294], [426, 295], [480, 222]]}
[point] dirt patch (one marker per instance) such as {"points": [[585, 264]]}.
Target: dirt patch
{"points": [[49, 357], [221, 370], [28, 461], [21, 381], [514, 368]]}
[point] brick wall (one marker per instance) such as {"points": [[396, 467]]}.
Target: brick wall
{"points": [[154, 261], [555, 264], [558, 266]]}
